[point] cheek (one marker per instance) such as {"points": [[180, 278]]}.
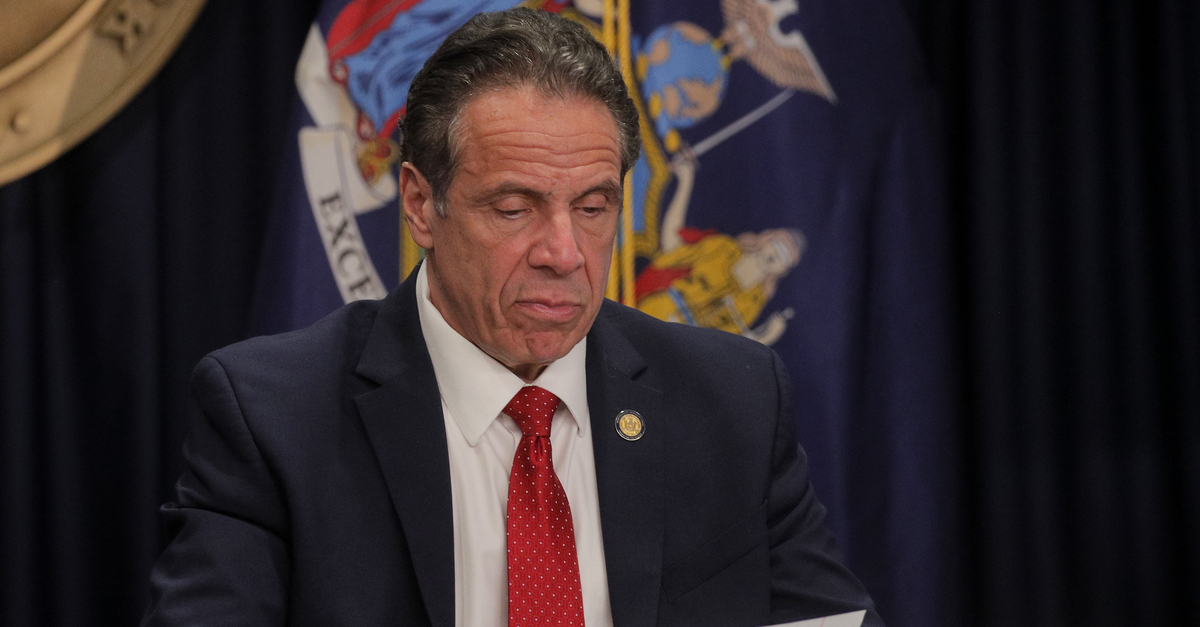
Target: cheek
{"points": [[596, 238], [599, 253], [598, 265], [505, 274], [476, 267]]}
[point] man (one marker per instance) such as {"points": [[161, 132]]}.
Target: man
{"points": [[389, 465]]}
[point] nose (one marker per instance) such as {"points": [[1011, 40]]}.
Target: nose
{"points": [[557, 247]]}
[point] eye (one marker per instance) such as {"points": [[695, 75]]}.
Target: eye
{"points": [[510, 212], [592, 205]]}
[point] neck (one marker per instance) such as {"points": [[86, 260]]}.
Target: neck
{"points": [[527, 372]]}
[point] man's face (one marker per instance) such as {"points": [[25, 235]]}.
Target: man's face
{"points": [[520, 262]]}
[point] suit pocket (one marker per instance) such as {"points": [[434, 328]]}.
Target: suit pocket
{"points": [[710, 558]]}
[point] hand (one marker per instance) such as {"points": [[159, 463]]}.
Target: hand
{"points": [[684, 162]]}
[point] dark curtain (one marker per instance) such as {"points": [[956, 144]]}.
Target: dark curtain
{"points": [[121, 264], [1073, 130], [1073, 136]]}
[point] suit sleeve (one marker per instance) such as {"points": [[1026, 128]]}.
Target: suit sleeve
{"points": [[227, 559], [807, 577]]}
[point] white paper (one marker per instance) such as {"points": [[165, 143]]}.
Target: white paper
{"points": [[852, 619]]}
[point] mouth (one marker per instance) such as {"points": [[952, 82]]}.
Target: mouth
{"points": [[550, 311]]}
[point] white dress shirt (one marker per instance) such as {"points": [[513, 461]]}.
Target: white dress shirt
{"points": [[481, 442]]}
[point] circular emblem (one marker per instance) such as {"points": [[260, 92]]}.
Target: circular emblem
{"points": [[66, 67], [630, 425]]}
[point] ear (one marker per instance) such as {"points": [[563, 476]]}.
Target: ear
{"points": [[416, 201]]}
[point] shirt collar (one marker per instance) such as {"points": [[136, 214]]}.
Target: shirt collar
{"points": [[476, 387]]}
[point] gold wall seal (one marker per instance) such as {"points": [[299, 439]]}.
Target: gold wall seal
{"points": [[67, 66]]}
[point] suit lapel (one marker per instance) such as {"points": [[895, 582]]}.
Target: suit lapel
{"points": [[403, 419], [629, 475]]}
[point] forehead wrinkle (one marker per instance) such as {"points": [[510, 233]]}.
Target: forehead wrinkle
{"points": [[607, 188], [508, 153], [507, 161]]}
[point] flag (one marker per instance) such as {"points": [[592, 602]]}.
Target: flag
{"points": [[789, 191], [335, 233]]}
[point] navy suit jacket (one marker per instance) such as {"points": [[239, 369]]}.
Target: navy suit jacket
{"points": [[317, 483]]}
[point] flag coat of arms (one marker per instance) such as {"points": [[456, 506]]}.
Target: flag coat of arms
{"points": [[788, 191]]}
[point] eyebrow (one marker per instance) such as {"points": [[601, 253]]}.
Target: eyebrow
{"points": [[610, 190]]}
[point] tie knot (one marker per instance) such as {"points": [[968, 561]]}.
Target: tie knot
{"points": [[532, 408]]}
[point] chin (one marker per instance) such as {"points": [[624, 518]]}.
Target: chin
{"points": [[544, 350]]}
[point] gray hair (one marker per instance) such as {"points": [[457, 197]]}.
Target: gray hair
{"points": [[512, 48]]}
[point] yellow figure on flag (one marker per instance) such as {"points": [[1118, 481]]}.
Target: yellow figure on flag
{"points": [[677, 76], [710, 279]]}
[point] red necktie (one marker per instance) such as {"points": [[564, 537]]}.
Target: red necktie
{"points": [[543, 572]]}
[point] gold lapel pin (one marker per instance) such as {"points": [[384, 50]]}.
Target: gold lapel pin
{"points": [[630, 425]]}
